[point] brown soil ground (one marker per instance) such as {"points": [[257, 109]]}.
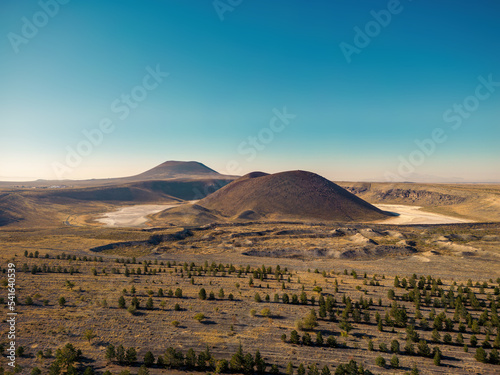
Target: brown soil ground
{"points": [[423, 250]]}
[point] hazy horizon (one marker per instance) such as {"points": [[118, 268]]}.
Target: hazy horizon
{"points": [[414, 178], [376, 90]]}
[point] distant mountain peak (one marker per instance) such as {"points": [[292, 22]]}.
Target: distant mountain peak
{"points": [[175, 168], [180, 162]]}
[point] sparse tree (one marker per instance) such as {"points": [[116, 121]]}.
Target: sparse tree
{"points": [[310, 321], [199, 317], [423, 349], [319, 338], [248, 364], [294, 337], [190, 359], [110, 352], [20, 351], [135, 302], [370, 345], [436, 337], [55, 368], [391, 295], [121, 302], [494, 357], [202, 294], [131, 356], [221, 366], [132, 309], [303, 298], [395, 346], [89, 335], [120, 354], [380, 361], [178, 293], [201, 361], [306, 339], [331, 341], [437, 357], [260, 364], [473, 341], [285, 298], [411, 334], [345, 325], [480, 355], [67, 355], [149, 359], [447, 339], [237, 359], [395, 361]]}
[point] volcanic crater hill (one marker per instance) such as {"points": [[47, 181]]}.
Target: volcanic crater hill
{"points": [[41, 203], [175, 169], [293, 194], [167, 171]]}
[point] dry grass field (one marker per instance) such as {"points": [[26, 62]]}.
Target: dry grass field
{"points": [[315, 259]]}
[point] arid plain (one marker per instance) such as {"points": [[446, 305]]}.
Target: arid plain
{"points": [[145, 273]]}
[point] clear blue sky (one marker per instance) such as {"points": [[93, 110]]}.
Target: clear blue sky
{"points": [[228, 70]]}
